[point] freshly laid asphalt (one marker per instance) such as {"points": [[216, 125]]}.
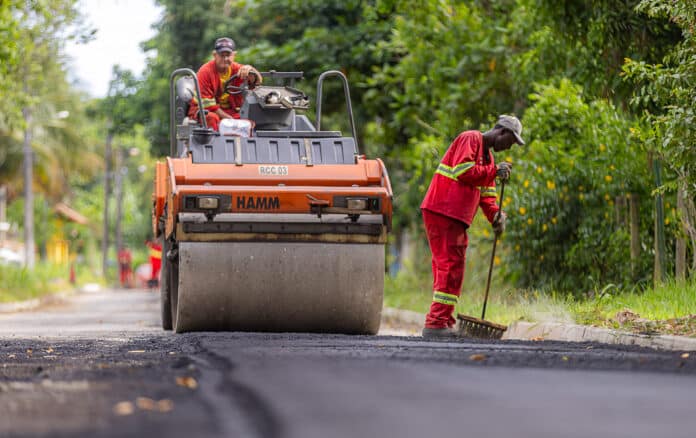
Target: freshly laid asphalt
{"points": [[98, 365]]}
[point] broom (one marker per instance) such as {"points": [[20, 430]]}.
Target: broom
{"points": [[472, 327]]}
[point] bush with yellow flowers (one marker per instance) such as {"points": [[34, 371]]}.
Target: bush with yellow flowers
{"points": [[562, 230]]}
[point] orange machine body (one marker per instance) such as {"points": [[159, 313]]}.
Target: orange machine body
{"points": [[270, 189]]}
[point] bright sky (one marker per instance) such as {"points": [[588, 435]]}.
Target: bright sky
{"points": [[121, 26]]}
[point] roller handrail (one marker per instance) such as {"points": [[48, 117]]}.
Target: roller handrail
{"points": [[346, 92], [172, 112]]}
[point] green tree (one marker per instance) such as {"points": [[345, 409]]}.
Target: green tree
{"points": [[667, 94]]}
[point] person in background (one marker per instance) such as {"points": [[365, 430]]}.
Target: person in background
{"points": [[155, 263], [125, 270]]}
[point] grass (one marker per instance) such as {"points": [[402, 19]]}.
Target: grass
{"points": [[19, 284], [668, 308]]}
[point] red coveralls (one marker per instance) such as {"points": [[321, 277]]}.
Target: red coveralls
{"points": [[463, 181], [155, 261], [124, 265], [214, 96]]}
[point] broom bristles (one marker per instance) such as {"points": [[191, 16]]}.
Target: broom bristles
{"points": [[479, 328]]}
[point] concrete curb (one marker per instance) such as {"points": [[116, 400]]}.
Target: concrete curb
{"points": [[34, 303], [546, 331], [579, 333]]}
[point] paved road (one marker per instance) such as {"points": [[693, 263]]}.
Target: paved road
{"points": [[98, 365]]}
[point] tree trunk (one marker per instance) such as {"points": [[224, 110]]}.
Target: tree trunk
{"points": [[107, 195], [635, 232], [660, 251], [680, 256], [29, 258]]}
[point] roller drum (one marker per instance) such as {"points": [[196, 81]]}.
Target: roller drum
{"points": [[280, 287]]}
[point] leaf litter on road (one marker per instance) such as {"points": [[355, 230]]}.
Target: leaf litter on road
{"points": [[187, 382]]}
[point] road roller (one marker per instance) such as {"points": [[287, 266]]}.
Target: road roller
{"points": [[270, 223]]}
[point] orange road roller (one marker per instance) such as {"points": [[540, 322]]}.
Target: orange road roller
{"points": [[269, 224]]}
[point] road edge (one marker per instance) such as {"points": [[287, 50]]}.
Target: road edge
{"points": [[34, 303], [553, 331], [521, 330]]}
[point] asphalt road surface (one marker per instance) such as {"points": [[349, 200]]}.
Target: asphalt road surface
{"points": [[98, 365]]}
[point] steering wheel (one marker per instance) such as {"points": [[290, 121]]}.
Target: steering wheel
{"points": [[233, 90]]}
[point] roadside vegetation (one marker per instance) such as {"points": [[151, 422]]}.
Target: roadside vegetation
{"points": [[601, 207]]}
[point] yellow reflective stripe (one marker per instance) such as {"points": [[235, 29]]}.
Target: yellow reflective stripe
{"points": [[453, 172], [206, 102], [155, 253], [445, 298], [445, 173], [461, 168], [488, 192]]}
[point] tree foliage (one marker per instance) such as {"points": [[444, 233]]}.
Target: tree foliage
{"points": [[667, 93]]}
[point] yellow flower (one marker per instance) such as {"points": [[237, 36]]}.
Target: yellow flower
{"points": [[517, 247], [539, 170], [496, 260], [666, 221], [506, 202], [581, 196], [602, 148], [612, 167], [525, 183], [508, 159], [607, 197], [486, 233], [523, 210], [608, 178], [530, 221], [544, 228], [633, 130], [550, 185], [554, 220]]}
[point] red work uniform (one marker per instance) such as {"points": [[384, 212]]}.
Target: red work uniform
{"points": [[463, 181], [214, 95], [124, 265], [155, 261]]}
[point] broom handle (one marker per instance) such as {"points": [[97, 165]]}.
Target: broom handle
{"points": [[495, 243]]}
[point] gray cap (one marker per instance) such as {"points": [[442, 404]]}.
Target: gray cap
{"points": [[224, 44], [512, 124]]}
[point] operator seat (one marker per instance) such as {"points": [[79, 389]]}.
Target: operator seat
{"points": [[185, 91]]}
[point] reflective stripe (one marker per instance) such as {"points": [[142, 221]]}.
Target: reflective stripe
{"points": [[208, 102], [155, 254], [488, 192], [445, 298], [453, 172]]}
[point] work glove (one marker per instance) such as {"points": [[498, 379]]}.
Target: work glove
{"points": [[499, 222], [250, 74], [503, 171]]}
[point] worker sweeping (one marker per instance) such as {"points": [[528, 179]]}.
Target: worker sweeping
{"points": [[463, 181]]}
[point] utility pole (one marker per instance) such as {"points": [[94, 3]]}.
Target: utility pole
{"points": [[107, 195], [120, 170], [29, 259], [3, 214]]}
